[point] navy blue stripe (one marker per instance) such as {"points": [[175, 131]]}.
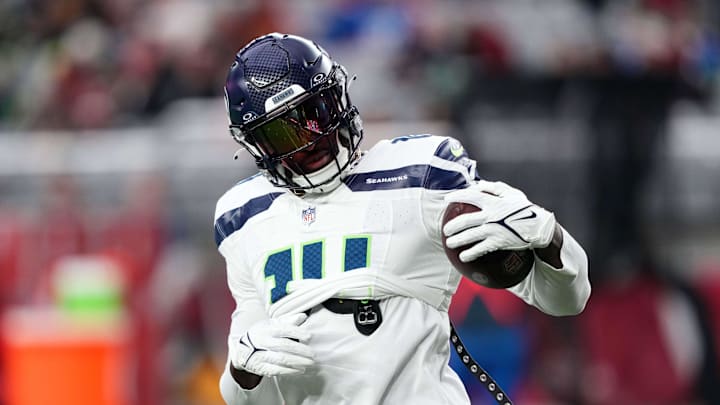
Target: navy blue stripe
{"points": [[234, 219], [404, 177], [441, 179], [426, 176]]}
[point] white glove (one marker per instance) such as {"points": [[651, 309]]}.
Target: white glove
{"points": [[274, 347], [507, 221]]}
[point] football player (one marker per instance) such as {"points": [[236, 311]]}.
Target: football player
{"points": [[334, 253]]}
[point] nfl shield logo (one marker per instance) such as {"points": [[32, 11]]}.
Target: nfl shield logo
{"points": [[308, 215]]}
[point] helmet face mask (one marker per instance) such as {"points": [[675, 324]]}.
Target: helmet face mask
{"points": [[301, 129]]}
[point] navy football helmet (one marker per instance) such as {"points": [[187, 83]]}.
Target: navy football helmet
{"points": [[288, 105]]}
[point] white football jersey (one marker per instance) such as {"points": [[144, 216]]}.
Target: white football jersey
{"points": [[377, 236]]}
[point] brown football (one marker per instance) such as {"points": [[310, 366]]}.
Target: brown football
{"points": [[499, 269]]}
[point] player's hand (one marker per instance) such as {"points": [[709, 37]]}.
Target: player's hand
{"points": [[274, 347], [507, 221]]}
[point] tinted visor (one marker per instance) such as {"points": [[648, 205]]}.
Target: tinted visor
{"points": [[298, 128]]}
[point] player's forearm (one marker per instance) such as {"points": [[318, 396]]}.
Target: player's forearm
{"points": [[551, 253], [265, 391], [562, 290], [244, 379]]}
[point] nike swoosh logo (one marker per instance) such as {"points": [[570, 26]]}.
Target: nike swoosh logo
{"points": [[503, 221]]}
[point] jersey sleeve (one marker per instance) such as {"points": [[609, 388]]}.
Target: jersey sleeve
{"points": [[240, 203], [249, 309], [558, 292]]}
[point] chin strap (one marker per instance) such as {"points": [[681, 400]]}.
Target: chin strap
{"points": [[483, 376]]}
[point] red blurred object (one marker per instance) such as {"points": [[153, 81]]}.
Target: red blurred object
{"points": [[708, 287], [11, 240], [628, 359], [505, 308], [51, 358], [135, 233], [488, 44]]}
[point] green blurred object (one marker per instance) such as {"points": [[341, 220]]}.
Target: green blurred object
{"points": [[88, 285]]}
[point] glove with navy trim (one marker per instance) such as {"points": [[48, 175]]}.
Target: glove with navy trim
{"points": [[274, 347], [507, 221]]}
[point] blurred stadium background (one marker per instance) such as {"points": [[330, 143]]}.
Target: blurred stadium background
{"points": [[113, 150]]}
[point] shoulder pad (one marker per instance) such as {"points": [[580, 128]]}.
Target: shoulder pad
{"points": [[428, 161], [404, 151]]}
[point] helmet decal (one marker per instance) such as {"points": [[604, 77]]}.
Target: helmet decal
{"points": [[283, 96], [318, 78], [259, 81]]}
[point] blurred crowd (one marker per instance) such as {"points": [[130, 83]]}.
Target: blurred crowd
{"points": [[98, 63], [92, 64], [619, 66]]}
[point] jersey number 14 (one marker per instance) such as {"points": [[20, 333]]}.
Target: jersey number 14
{"points": [[280, 269]]}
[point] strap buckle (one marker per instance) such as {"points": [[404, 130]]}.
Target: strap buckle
{"points": [[367, 316]]}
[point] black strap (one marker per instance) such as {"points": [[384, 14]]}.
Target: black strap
{"points": [[340, 306], [366, 313], [485, 379]]}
